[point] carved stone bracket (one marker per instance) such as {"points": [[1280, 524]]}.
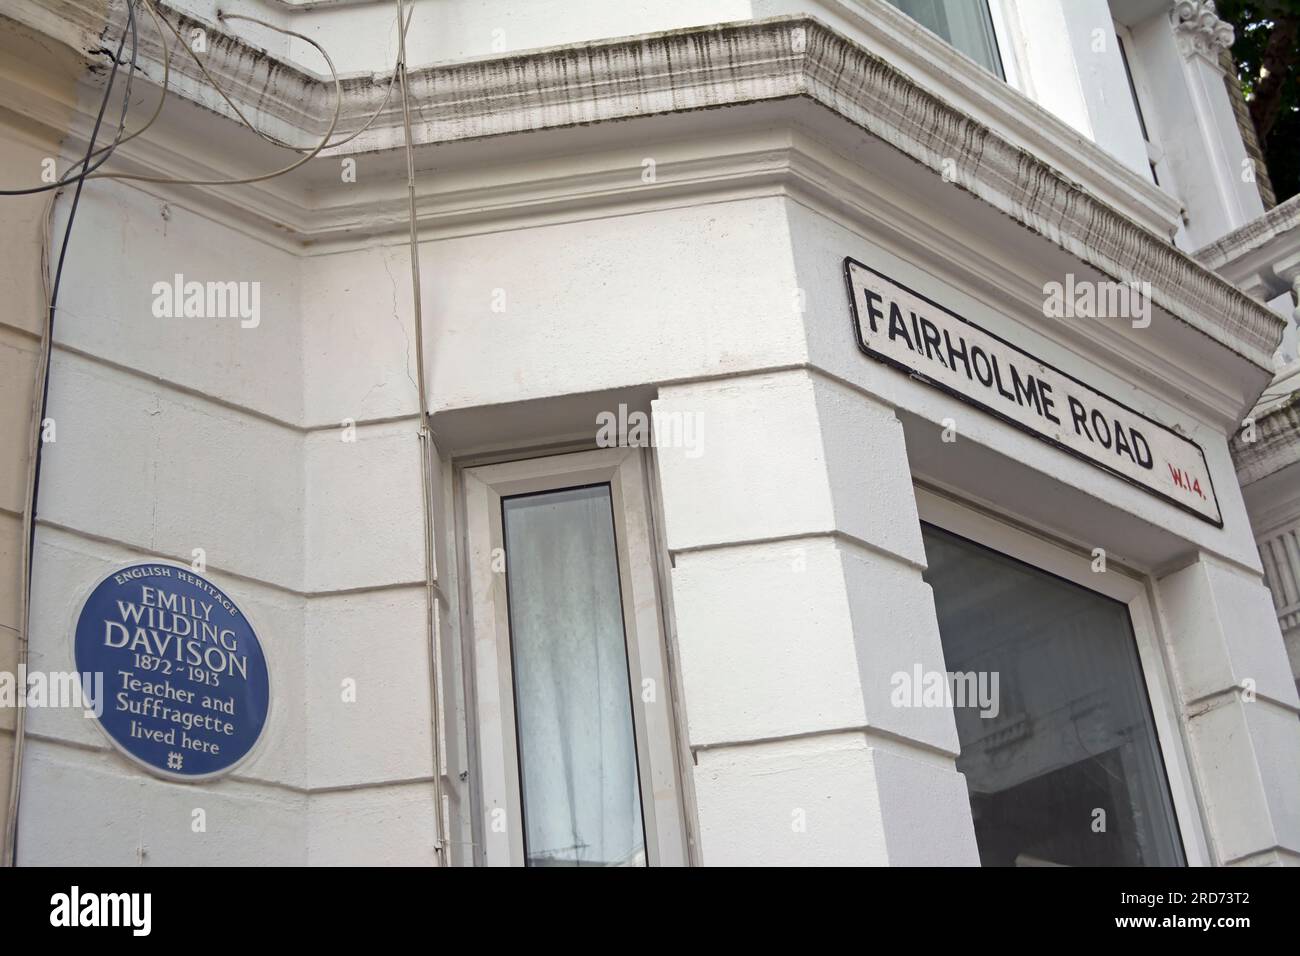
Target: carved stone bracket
{"points": [[1198, 29]]}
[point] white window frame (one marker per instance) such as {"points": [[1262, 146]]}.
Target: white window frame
{"points": [[483, 488], [1117, 583], [1145, 105], [997, 26], [1006, 36]]}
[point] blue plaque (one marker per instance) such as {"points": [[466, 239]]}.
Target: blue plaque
{"points": [[186, 688]]}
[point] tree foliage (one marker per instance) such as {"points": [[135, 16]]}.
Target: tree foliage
{"points": [[1267, 56]]}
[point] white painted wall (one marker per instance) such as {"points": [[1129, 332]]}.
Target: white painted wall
{"points": [[177, 434], [796, 592], [797, 555]]}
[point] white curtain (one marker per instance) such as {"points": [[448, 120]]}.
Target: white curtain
{"points": [[577, 750]]}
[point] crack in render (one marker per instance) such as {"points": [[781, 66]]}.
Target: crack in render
{"points": [[397, 318]]}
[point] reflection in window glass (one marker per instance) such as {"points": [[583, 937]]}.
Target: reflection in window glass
{"points": [[1069, 770], [573, 708], [966, 24]]}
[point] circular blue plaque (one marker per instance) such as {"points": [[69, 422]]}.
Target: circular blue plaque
{"points": [[185, 686]]}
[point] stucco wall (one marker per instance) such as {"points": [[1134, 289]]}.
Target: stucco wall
{"points": [[794, 537], [203, 434], [198, 436], [24, 146]]}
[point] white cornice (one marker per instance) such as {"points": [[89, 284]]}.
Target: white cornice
{"points": [[1281, 219], [897, 38], [684, 71], [1007, 282], [1263, 256], [297, 102], [1276, 444]]}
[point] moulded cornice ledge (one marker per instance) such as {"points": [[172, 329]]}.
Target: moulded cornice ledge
{"points": [[740, 63], [1282, 218], [1275, 446], [756, 61]]}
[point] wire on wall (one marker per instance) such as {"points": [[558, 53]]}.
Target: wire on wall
{"points": [[315, 150], [34, 438], [428, 461], [275, 141], [104, 152], [89, 168]]}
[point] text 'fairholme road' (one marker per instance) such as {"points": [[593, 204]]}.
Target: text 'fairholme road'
{"points": [[904, 329]]}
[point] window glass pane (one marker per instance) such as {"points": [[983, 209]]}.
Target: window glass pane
{"points": [[573, 707], [1068, 771], [966, 24]]}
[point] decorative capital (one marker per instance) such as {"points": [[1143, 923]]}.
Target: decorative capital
{"points": [[1198, 28]]}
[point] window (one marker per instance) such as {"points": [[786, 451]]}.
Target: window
{"points": [[965, 24], [1073, 765], [575, 735], [573, 705], [1154, 153]]}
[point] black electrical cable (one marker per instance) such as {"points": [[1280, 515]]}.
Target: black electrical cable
{"points": [[67, 235], [107, 151], [11, 834]]}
